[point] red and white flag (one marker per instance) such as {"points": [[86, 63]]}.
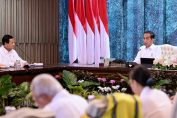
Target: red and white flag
{"points": [[81, 31], [104, 37], [90, 32], [72, 32], [96, 31]]}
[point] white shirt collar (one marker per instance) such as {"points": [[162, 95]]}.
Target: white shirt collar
{"points": [[145, 91], [61, 94], [5, 50], [151, 47]]}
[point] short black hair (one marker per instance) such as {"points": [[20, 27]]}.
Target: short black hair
{"points": [[6, 38], [141, 75], [151, 33]]}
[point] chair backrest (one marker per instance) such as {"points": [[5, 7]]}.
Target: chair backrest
{"points": [[168, 51]]}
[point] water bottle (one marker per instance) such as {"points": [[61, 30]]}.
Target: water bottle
{"points": [[17, 64]]}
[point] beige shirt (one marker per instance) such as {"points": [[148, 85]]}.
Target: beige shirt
{"points": [[155, 103]]}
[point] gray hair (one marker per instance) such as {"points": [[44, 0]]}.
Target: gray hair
{"points": [[45, 84]]}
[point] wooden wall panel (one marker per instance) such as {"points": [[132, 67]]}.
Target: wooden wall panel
{"points": [[2, 17], [34, 24]]}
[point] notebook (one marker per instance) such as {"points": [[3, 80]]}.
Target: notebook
{"points": [[147, 62]]}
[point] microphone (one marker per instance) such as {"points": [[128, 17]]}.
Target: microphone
{"points": [[26, 66], [28, 58]]}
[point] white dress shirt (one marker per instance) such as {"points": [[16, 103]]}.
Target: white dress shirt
{"points": [[153, 51], [155, 103], [66, 105], [8, 58]]}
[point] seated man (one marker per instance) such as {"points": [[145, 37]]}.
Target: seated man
{"points": [[148, 50], [8, 56], [50, 95]]}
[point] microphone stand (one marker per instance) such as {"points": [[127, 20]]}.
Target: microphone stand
{"points": [[28, 58]]}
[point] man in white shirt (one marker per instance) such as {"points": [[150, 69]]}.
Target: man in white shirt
{"points": [[50, 95], [8, 56], [148, 50]]}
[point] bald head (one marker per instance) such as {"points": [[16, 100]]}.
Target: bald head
{"points": [[46, 87]]}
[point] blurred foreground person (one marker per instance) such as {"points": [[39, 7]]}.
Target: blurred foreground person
{"points": [[29, 113], [155, 103], [117, 105], [48, 93], [174, 111]]}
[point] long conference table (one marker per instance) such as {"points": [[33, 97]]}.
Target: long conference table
{"points": [[20, 75], [27, 74]]}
